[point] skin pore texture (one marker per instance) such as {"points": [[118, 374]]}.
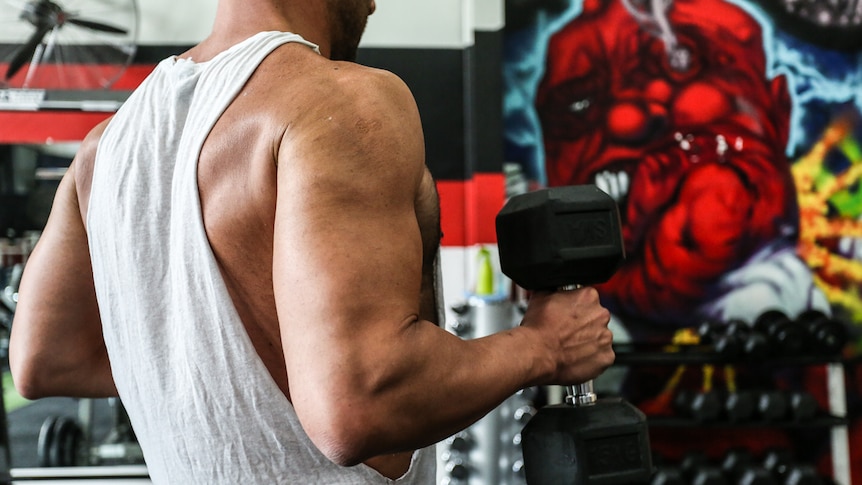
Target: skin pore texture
{"points": [[324, 221]]}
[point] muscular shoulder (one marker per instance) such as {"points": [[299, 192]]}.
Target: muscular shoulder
{"points": [[357, 118]]}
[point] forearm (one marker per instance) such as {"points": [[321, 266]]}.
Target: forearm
{"points": [[54, 350], [40, 370], [56, 345], [433, 385]]}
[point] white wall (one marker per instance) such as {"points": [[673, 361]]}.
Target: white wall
{"points": [[396, 23], [174, 22]]}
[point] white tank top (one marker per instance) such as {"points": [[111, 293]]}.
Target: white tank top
{"points": [[203, 405]]}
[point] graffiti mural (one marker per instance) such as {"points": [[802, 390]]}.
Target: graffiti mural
{"points": [[728, 143], [730, 134]]}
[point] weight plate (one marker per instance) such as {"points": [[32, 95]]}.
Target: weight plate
{"points": [[46, 437], [64, 447]]}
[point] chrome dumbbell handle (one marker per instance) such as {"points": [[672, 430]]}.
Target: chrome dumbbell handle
{"points": [[579, 394]]}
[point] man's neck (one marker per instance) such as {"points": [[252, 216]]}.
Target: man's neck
{"points": [[237, 20]]}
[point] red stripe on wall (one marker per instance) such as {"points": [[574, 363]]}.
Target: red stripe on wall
{"points": [[40, 127], [468, 208], [47, 126]]}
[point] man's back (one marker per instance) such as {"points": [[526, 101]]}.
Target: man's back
{"points": [[237, 175], [184, 348]]}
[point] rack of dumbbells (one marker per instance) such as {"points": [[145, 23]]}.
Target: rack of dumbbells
{"points": [[488, 452], [770, 345]]}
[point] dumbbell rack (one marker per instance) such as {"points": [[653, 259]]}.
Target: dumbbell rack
{"points": [[834, 418], [487, 452]]}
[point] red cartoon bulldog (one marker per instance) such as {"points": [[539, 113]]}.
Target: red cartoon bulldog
{"points": [[667, 106]]}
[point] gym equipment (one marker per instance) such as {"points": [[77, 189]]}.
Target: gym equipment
{"points": [[708, 476], [697, 469], [483, 453], [753, 344], [740, 467], [692, 461], [829, 335], [785, 337], [802, 475], [701, 406], [803, 405], [756, 475], [668, 476], [772, 406], [67, 442], [735, 462], [781, 463], [778, 461], [60, 443], [64, 45], [739, 406], [557, 239], [717, 336]]}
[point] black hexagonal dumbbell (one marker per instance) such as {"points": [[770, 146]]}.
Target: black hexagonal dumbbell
{"points": [[772, 405], [740, 467], [739, 405], [715, 335], [703, 406], [557, 239], [697, 469], [829, 335], [785, 337], [753, 344]]}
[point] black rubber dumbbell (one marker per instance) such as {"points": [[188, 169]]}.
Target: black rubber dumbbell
{"points": [[709, 475], [715, 335], [697, 468], [756, 475], [739, 406], [701, 406], [828, 335], [785, 337], [803, 405], [753, 344], [665, 475], [740, 467], [778, 461], [558, 239], [735, 462], [691, 462], [771, 406], [782, 464], [799, 474]]}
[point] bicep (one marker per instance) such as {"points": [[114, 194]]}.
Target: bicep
{"points": [[348, 249]]}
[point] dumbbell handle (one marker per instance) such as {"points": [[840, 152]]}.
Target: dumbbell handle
{"points": [[579, 394]]}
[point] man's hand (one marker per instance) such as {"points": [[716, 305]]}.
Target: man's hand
{"points": [[574, 327]]}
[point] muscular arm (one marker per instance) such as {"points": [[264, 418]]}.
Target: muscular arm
{"points": [[367, 375], [56, 346]]}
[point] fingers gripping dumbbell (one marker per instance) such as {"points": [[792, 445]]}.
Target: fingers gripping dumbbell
{"points": [[559, 239]]}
